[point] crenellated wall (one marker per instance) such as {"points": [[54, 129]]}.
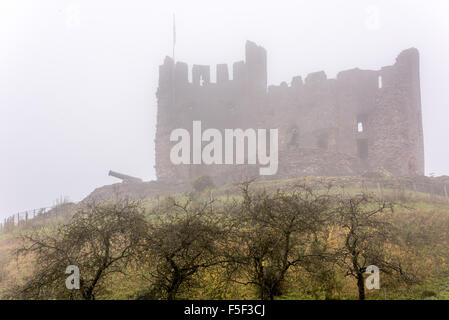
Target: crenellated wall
{"points": [[362, 120]]}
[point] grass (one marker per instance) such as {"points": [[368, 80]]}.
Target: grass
{"points": [[415, 212]]}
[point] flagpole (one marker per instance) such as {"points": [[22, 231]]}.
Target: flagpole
{"points": [[173, 56], [174, 36]]}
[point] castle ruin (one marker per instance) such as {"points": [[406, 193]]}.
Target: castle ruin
{"points": [[362, 121]]}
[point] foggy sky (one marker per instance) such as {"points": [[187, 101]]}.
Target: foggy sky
{"points": [[78, 78]]}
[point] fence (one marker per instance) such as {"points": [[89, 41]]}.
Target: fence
{"points": [[20, 218], [396, 188]]}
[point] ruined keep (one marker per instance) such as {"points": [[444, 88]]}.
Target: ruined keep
{"points": [[362, 121]]}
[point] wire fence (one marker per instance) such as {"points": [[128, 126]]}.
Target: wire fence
{"points": [[394, 189], [408, 187], [21, 218]]}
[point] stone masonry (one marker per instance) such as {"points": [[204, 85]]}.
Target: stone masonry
{"points": [[362, 121]]}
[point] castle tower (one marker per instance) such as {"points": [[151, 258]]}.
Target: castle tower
{"points": [[398, 143], [362, 120]]}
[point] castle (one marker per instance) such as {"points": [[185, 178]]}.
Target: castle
{"points": [[362, 121]]}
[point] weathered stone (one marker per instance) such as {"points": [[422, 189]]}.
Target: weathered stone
{"points": [[359, 122]]}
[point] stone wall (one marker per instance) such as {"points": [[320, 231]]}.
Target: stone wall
{"points": [[364, 120]]}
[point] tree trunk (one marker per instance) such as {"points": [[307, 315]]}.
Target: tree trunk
{"points": [[262, 291], [173, 289], [361, 286], [271, 295]]}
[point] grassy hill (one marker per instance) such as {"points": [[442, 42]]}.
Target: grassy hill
{"points": [[421, 218]]}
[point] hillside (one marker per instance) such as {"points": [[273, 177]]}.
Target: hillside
{"points": [[421, 216]]}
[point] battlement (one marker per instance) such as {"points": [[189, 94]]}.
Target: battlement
{"points": [[251, 74], [252, 71], [373, 117]]}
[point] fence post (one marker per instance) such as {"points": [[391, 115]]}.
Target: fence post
{"points": [[431, 191], [445, 191], [394, 187]]}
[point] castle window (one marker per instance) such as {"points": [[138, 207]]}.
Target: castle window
{"points": [[361, 123], [379, 82], [294, 135], [360, 126]]}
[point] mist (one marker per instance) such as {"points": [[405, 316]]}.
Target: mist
{"points": [[78, 78]]}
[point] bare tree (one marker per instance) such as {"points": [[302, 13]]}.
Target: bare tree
{"points": [[276, 231], [100, 239], [367, 235], [184, 239]]}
